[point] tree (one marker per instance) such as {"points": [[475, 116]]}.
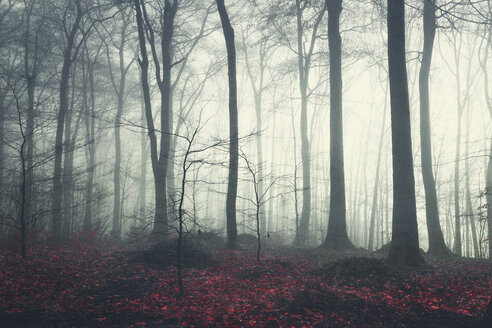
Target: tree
{"points": [[259, 200], [265, 52], [233, 126], [375, 193], [336, 237], [159, 159], [405, 238], [69, 55], [488, 101], [304, 56], [437, 246], [119, 84]]}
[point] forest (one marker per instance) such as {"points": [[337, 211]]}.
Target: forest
{"points": [[249, 163]]}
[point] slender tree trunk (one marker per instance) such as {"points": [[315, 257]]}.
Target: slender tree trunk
{"points": [[488, 189], [272, 175], [336, 237], [143, 169], [91, 141], [259, 156], [304, 65], [405, 239], [57, 191], [120, 92], [468, 203], [23, 222], [233, 126], [437, 246], [67, 180], [159, 159], [457, 214], [31, 72], [375, 193]]}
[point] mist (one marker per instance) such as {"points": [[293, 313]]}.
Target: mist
{"points": [[340, 141]]}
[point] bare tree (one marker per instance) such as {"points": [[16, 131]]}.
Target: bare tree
{"points": [[437, 246], [233, 126]]}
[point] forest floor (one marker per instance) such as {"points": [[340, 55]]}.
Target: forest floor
{"points": [[115, 285]]}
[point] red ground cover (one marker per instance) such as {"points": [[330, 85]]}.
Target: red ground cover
{"points": [[92, 286]]}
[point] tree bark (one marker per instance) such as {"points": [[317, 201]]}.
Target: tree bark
{"points": [[233, 126], [405, 239], [336, 237], [437, 246]]}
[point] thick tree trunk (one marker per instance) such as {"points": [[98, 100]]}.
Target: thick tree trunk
{"points": [[2, 147], [405, 240], [437, 246], [233, 126], [336, 237]]}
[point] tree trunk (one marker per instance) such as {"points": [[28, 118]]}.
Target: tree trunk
{"points": [[405, 239], [143, 169], [259, 156], [437, 246], [159, 159], [468, 202], [336, 237], [457, 214], [304, 65], [233, 126], [91, 141], [57, 191], [375, 193], [488, 189], [2, 147], [67, 180], [120, 92]]}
